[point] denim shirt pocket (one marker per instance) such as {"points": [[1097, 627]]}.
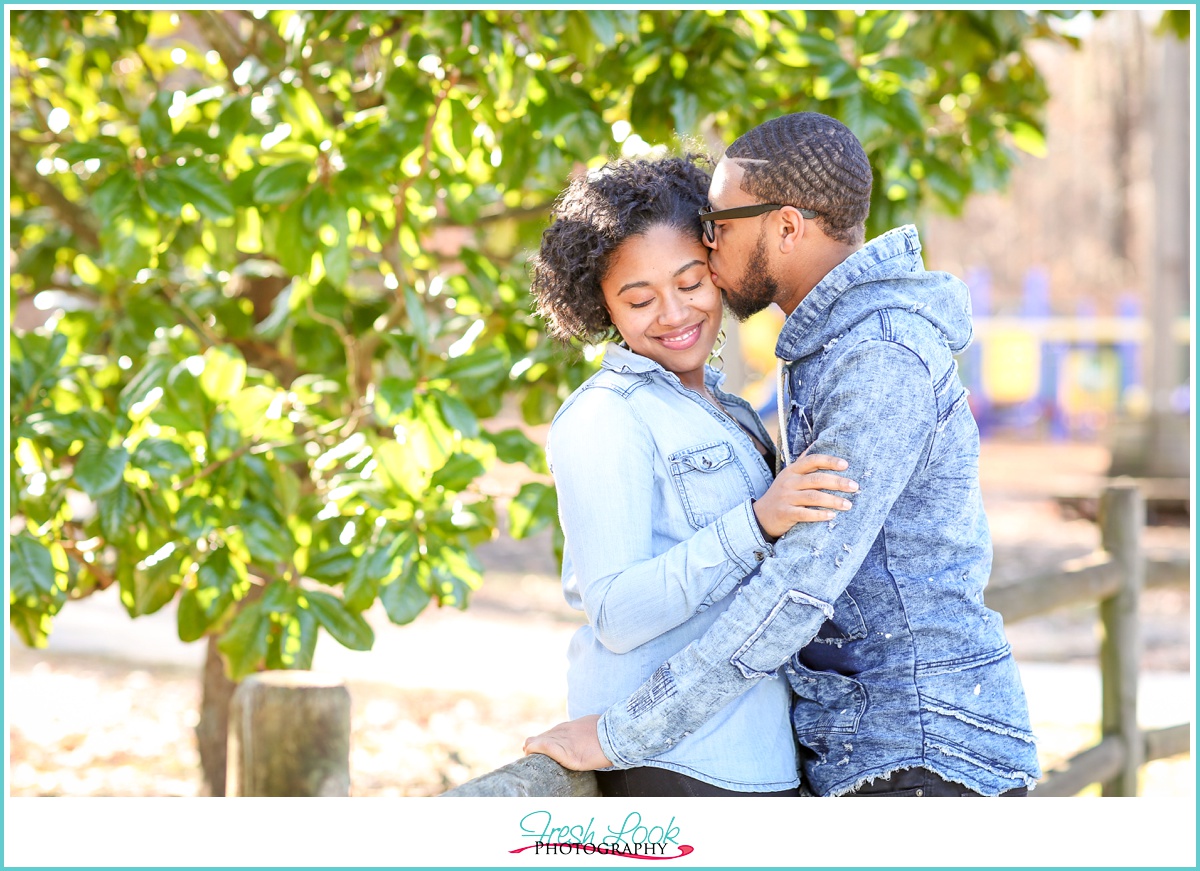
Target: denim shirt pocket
{"points": [[710, 479]]}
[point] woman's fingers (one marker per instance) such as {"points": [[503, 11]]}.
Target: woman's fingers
{"points": [[823, 481], [798, 514], [820, 499], [813, 462]]}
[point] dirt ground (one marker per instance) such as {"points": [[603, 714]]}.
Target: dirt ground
{"points": [[109, 709]]}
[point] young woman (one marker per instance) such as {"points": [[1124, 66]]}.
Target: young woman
{"points": [[664, 481]]}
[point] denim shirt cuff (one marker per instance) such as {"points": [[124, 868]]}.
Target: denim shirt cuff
{"points": [[617, 760], [742, 537]]}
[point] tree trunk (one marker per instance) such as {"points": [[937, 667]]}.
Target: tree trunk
{"points": [[212, 732]]}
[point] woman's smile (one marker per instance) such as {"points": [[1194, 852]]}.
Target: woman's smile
{"points": [[681, 340]]}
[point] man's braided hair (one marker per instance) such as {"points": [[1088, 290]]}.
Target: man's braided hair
{"points": [[810, 161]]}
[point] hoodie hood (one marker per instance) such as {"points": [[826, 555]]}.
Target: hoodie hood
{"points": [[886, 273]]}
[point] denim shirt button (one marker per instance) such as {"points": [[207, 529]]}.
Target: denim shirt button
{"points": [[920, 792], [758, 555]]}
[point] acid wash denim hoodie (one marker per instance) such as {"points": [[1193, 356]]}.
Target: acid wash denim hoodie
{"points": [[877, 616], [654, 489]]}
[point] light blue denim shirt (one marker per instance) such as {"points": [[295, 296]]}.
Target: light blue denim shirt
{"points": [[877, 616], [654, 491]]}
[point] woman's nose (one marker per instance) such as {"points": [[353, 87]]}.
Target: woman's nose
{"points": [[674, 310]]}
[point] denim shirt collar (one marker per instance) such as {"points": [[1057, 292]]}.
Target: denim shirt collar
{"points": [[619, 358]]}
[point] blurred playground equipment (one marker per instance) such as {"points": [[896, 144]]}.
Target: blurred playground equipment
{"points": [[1033, 373]]}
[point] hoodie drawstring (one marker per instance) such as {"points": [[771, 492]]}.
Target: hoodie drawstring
{"points": [[785, 451]]}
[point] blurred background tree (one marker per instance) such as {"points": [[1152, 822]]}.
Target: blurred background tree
{"points": [[276, 261]]}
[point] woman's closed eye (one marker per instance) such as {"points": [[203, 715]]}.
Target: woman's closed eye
{"points": [[694, 287]]}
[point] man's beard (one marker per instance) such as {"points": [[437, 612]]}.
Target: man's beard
{"points": [[758, 288]]}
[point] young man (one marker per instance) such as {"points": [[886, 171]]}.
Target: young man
{"points": [[903, 679]]}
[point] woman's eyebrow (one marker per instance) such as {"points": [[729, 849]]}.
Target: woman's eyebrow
{"points": [[678, 272]]}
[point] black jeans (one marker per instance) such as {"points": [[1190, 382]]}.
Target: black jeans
{"points": [[647, 782], [920, 783]]}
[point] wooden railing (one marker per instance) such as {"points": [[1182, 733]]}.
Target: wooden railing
{"points": [[1113, 577]]}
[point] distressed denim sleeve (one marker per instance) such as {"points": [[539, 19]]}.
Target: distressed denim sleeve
{"points": [[603, 460], [876, 410]]}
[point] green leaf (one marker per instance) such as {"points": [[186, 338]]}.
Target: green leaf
{"points": [[191, 619], [455, 573], [99, 468], [155, 123], [31, 570], [513, 446], [403, 598], [220, 581], [245, 643], [201, 185], [347, 627], [417, 318], [877, 37], [117, 196], [1029, 139], [298, 646], [457, 414], [119, 512], [156, 585], [393, 397], [196, 518], [151, 377], [398, 471], [377, 566], [163, 459], [532, 509], [909, 69], [287, 489], [184, 405], [266, 536], [485, 364], [281, 183], [106, 149], [843, 79], [32, 624], [233, 118], [948, 184], [458, 472], [224, 372], [330, 564], [163, 194]]}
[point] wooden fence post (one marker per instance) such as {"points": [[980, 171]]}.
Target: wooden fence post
{"points": [[289, 735], [1122, 516]]}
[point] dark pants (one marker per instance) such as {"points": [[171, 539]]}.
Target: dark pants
{"points": [[920, 783], [647, 782]]}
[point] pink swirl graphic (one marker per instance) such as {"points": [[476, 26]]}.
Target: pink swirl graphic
{"points": [[684, 850]]}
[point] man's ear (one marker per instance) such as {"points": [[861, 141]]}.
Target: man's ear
{"points": [[791, 228]]}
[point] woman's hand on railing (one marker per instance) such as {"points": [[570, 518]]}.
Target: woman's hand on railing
{"points": [[573, 745]]}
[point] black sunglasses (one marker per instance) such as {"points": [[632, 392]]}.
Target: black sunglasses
{"points": [[710, 230]]}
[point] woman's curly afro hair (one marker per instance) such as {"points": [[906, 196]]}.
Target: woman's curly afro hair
{"points": [[592, 218]]}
